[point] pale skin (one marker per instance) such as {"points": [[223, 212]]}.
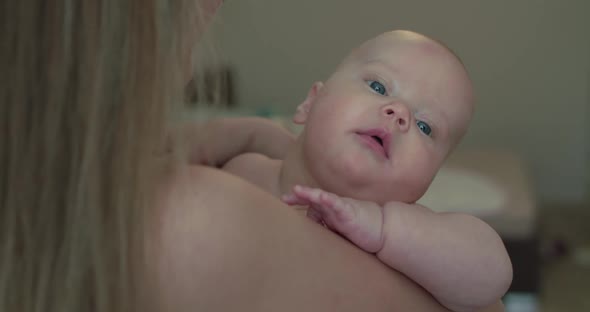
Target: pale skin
{"points": [[248, 252], [423, 103]]}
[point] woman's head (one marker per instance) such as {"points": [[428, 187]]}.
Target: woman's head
{"points": [[86, 90]]}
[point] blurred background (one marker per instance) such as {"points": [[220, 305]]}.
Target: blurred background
{"points": [[524, 166]]}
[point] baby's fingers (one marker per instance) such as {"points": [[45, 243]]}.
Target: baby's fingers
{"points": [[315, 215], [294, 200], [316, 196]]}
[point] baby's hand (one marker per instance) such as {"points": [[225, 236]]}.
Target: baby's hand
{"points": [[359, 221]]}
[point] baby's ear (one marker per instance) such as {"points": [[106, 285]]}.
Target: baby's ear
{"points": [[303, 109]]}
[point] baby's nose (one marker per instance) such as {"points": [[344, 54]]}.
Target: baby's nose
{"points": [[399, 114]]}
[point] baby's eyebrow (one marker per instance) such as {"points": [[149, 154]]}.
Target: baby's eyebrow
{"points": [[440, 121], [381, 63]]}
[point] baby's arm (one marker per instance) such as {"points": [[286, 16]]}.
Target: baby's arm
{"points": [[216, 142], [458, 258]]}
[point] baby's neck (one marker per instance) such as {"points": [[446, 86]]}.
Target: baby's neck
{"points": [[293, 171], [277, 177]]}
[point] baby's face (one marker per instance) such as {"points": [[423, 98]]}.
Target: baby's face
{"points": [[382, 125]]}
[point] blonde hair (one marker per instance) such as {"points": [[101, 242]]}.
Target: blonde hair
{"points": [[86, 88]]}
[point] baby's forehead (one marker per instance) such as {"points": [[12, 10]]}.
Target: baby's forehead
{"points": [[408, 46]]}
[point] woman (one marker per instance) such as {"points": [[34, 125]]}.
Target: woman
{"points": [[92, 221]]}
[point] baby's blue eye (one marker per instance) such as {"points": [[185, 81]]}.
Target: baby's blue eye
{"points": [[377, 87], [424, 127]]}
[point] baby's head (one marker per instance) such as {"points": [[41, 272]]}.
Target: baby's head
{"points": [[383, 123]]}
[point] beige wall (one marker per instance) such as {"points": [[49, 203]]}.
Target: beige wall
{"points": [[529, 59]]}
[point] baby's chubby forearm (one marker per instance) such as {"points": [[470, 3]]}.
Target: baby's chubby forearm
{"points": [[456, 257], [256, 135]]}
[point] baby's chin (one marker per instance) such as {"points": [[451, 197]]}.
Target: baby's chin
{"points": [[403, 194], [358, 177], [373, 188]]}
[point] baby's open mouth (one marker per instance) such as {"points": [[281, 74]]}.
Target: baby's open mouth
{"points": [[378, 139]]}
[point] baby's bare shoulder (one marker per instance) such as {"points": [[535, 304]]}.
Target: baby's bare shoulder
{"points": [[246, 164], [256, 168]]}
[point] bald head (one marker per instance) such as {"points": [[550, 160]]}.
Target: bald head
{"points": [[406, 86], [427, 65], [400, 37]]}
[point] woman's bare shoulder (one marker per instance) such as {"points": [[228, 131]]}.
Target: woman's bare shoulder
{"points": [[222, 244]]}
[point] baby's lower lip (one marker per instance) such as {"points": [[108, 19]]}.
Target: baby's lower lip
{"points": [[370, 142]]}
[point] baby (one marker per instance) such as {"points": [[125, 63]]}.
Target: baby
{"points": [[375, 134]]}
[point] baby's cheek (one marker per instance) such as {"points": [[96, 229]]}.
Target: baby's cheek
{"points": [[342, 164], [354, 164], [419, 180]]}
